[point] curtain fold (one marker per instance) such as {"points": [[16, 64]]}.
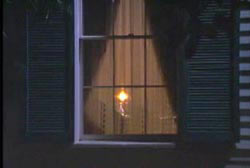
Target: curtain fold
{"points": [[145, 62]]}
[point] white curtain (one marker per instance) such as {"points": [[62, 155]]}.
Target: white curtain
{"points": [[131, 63]]}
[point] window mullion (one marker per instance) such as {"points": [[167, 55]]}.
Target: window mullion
{"points": [[113, 90], [105, 37], [145, 70]]}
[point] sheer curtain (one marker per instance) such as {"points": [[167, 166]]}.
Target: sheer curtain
{"points": [[129, 62]]}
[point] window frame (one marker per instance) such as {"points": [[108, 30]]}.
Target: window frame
{"points": [[168, 140]]}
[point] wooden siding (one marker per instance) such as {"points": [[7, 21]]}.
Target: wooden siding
{"points": [[241, 156]]}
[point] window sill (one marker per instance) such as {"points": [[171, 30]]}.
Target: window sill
{"points": [[122, 144]]}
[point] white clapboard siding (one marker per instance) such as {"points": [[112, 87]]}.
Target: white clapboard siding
{"points": [[244, 39], [245, 131], [245, 53], [244, 118], [236, 160], [245, 27], [245, 105], [243, 144], [244, 92], [245, 14], [244, 79], [245, 66], [236, 166]]}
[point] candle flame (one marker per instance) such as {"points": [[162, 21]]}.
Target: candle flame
{"points": [[122, 96]]}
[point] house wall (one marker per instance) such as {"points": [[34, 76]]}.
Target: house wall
{"points": [[19, 153], [241, 156]]}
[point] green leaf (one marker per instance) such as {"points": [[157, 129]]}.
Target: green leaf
{"points": [[59, 1]]}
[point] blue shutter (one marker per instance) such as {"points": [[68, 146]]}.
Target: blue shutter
{"points": [[46, 75], [210, 102]]}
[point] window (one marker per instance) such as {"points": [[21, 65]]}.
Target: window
{"points": [[143, 71], [125, 86]]}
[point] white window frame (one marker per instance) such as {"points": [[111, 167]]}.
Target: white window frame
{"points": [[78, 94]]}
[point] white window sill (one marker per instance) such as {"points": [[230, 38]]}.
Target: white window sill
{"points": [[125, 144]]}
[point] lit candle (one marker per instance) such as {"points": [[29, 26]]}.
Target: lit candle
{"points": [[122, 96]]}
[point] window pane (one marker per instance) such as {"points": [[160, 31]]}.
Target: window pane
{"points": [[160, 112], [97, 17], [129, 116], [98, 111], [98, 63], [129, 62], [155, 72], [124, 17], [129, 17], [108, 112]]}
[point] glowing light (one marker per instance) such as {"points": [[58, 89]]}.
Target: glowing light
{"points": [[122, 96]]}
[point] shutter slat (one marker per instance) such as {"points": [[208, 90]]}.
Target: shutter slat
{"points": [[46, 74], [208, 109]]}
